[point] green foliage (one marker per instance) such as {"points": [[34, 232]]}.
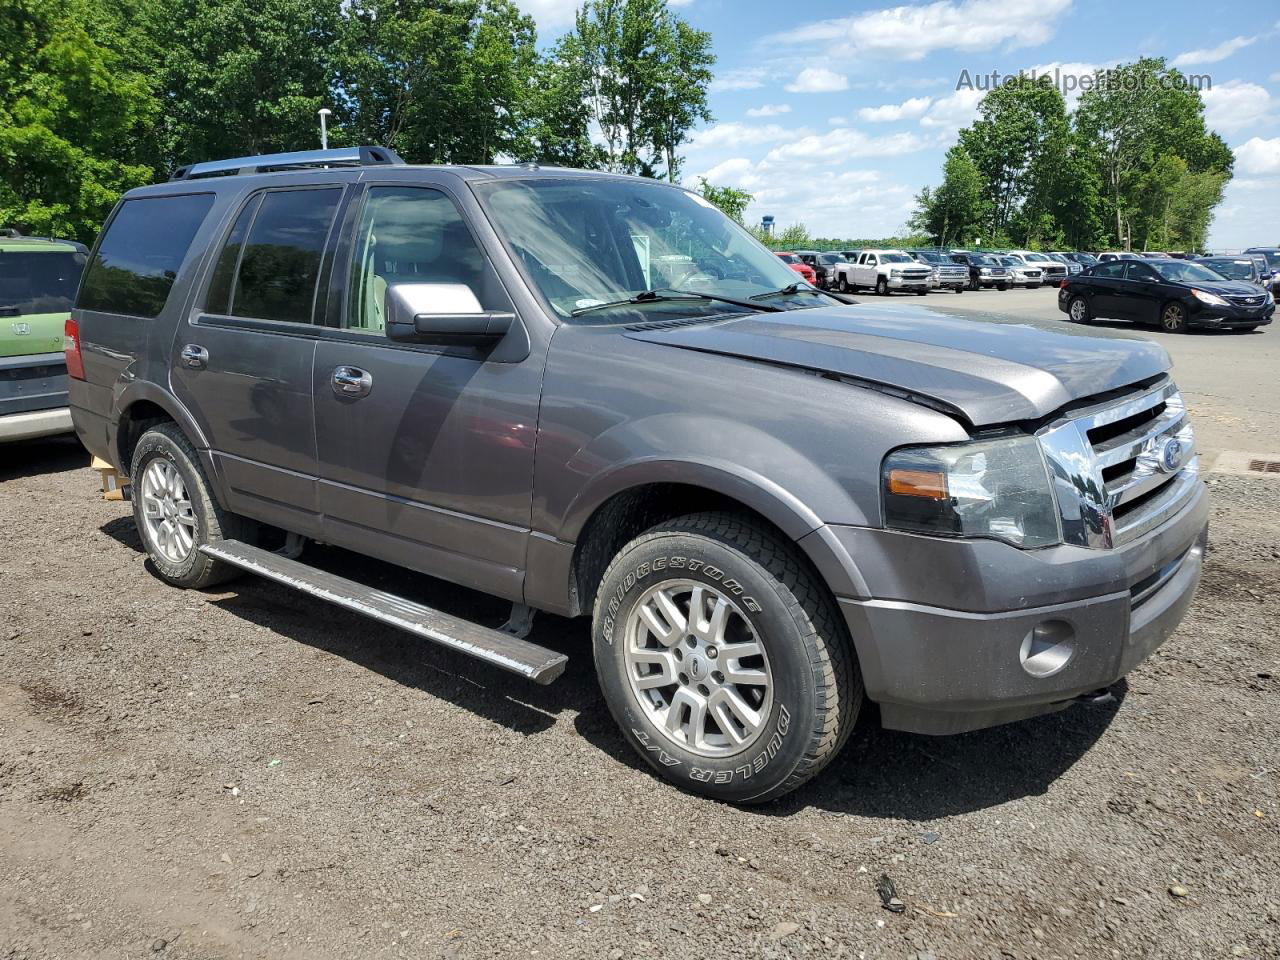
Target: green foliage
{"points": [[795, 236], [74, 112], [644, 73], [958, 208], [1133, 165], [98, 96], [732, 202]]}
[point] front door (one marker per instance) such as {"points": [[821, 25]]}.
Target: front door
{"points": [[428, 460], [1107, 286], [243, 364]]}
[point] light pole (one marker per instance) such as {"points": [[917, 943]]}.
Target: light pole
{"points": [[324, 129]]}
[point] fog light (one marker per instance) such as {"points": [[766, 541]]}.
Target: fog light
{"points": [[1048, 648]]}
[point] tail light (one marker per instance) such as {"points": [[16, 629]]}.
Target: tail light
{"points": [[71, 349]]}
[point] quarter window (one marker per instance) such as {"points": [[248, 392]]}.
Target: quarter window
{"points": [[410, 235], [138, 258]]}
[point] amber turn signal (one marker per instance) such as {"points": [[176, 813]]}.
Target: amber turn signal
{"points": [[932, 485]]}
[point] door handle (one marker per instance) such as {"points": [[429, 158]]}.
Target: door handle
{"points": [[351, 382], [195, 356]]}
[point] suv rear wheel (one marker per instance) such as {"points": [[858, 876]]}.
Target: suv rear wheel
{"points": [[175, 511], [723, 660]]}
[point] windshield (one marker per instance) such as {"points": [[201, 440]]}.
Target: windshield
{"points": [[983, 260], [1231, 269], [895, 258], [1183, 272], [1271, 256], [789, 258], [39, 281], [831, 258], [932, 257], [585, 242]]}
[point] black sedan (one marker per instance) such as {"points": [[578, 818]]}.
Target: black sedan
{"points": [[1175, 294]]}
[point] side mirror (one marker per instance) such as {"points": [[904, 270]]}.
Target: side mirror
{"points": [[445, 313]]}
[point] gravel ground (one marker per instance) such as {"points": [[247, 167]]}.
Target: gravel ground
{"points": [[250, 773]]}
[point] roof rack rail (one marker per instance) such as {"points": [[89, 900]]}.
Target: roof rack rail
{"points": [[340, 157]]}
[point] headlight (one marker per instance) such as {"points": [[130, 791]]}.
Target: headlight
{"points": [[984, 269], [1204, 296], [895, 273], [989, 488]]}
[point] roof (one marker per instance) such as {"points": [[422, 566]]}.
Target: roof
{"points": [[36, 245]]}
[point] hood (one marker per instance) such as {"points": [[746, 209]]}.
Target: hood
{"points": [[988, 370], [1225, 288]]}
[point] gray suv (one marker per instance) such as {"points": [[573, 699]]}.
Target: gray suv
{"points": [[595, 395]]}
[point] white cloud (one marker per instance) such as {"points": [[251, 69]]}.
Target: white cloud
{"points": [[769, 110], [913, 32], [1068, 75], [1235, 105], [551, 14], [1212, 54], [843, 143], [818, 80], [949, 114], [913, 107], [745, 78], [742, 134], [1258, 156]]}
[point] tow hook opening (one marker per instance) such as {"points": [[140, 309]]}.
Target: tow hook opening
{"points": [[1096, 698]]}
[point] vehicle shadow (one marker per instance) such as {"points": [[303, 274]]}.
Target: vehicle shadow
{"points": [[34, 458], [879, 774]]}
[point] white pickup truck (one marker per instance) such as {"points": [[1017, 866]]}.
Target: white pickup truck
{"points": [[886, 270]]}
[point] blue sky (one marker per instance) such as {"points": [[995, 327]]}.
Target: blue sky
{"points": [[835, 114]]}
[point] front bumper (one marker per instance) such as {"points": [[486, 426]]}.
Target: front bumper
{"points": [[948, 641], [1231, 316], [908, 283]]}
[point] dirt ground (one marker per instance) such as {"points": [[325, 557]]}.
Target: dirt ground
{"points": [[250, 773]]}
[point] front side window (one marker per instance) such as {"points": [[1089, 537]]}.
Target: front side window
{"points": [[586, 242], [1111, 269], [280, 261], [38, 281], [138, 258], [411, 235]]}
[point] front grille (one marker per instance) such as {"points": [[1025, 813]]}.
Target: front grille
{"points": [[1055, 271], [1251, 300], [1122, 464]]}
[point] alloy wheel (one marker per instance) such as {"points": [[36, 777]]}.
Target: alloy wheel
{"points": [[696, 664], [166, 510]]}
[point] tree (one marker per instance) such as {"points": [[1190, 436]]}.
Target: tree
{"points": [[1135, 114], [244, 76], [957, 208], [1017, 123], [794, 236], [76, 116], [645, 74], [731, 201]]}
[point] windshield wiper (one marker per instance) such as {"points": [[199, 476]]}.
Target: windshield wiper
{"points": [[668, 295], [789, 290]]}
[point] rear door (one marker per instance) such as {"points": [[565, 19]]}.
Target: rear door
{"points": [[1105, 289], [242, 362], [430, 464]]}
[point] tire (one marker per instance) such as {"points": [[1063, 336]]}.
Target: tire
{"points": [[844, 284], [1173, 317], [1002, 286], [1079, 311], [812, 692], [922, 293], [164, 453], [959, 289], [882, 287], [973, 284]]}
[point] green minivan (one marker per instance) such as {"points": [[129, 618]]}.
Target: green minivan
{"points": [[38, 280]]}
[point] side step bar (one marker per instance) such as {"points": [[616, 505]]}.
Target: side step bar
{"points": [[492, 646]]}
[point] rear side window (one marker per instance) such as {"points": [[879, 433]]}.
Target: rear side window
{"points": [[280, 262], [138, 259]]}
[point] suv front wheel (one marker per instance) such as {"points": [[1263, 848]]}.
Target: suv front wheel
{"points": [[176, 513], [723, 659]]}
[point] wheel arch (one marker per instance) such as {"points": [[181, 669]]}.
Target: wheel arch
{"points": [[642, 495], [142, 404]]}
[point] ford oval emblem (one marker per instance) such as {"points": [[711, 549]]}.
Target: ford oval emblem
{"points": [[1171, 455]]}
